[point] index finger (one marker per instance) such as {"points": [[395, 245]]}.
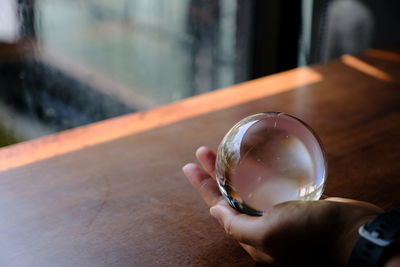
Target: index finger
{"points": [[203, 183], [207, 158]]}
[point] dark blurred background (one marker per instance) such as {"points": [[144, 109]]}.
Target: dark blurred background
{"points": [[66, 63]]}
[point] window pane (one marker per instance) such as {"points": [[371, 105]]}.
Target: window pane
{"points": [[76, 62], [148, 48]]}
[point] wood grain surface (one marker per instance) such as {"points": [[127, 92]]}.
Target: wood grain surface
{"points": [[113, 194]]}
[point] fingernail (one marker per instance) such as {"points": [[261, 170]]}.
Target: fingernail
{"points": [[201, 148], [216, 212], [187, 167]]}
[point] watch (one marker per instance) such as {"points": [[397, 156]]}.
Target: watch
{"points": [[377, 237]]}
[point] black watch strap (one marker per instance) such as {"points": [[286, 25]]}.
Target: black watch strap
{"points": [[375, 239]]}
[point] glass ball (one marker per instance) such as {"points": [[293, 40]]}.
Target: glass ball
{"points": [[269, 158]]}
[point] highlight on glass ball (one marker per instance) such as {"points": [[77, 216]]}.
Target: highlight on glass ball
{"points": [[270, 158]]}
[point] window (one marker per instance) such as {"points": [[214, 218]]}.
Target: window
{"points": [[66, 63]]}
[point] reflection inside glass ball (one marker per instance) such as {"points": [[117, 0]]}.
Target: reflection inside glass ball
{"points": [[269, 158]]}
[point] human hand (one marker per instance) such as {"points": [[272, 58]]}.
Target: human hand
{"points": [[297, 233]]}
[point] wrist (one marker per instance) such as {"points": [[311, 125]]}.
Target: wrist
{"points": [[378, 241], [349, 239], [393, 260]]}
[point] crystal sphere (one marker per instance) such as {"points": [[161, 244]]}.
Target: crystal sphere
{"points": [[269, 158]]}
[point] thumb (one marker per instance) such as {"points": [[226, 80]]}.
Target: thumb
{"points": [[244, 228]]}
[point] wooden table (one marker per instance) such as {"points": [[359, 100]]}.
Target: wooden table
{"points": [[113, 194]]}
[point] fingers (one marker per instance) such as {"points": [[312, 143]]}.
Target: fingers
{"points": [[207, 158], [324, 197], [244, 228], [239, 226], [203, 183], [355, 202], [342, 200], [256, 254]]}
